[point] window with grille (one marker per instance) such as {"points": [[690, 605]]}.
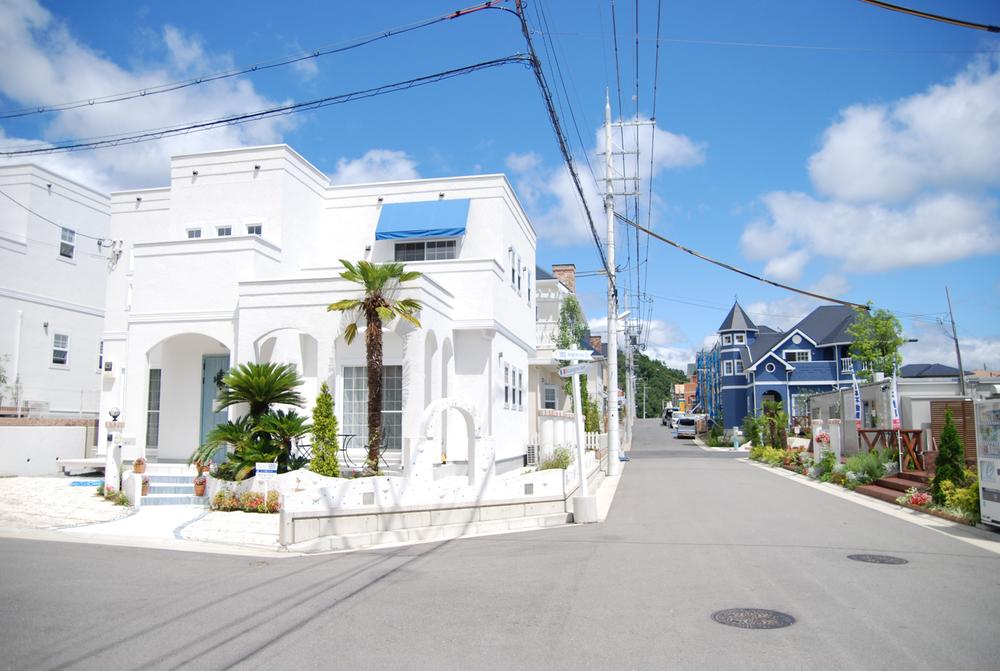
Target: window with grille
{"points": [[727, 367], [255, 229], [506, 385], [153, 409], [67, 243], [738, 367], [355, 412], [432, 250], [194, 233], [798, 355], [224, 231], [549, 397], [60, 349]]}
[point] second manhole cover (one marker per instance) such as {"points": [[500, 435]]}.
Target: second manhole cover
{"points": [[753, 618]]}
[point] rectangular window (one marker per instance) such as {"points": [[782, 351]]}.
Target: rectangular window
{"points": [[67, 243], [254, 229], [194, 233], [529, 288], [432, 250], [727, 339], [513, 268], [549, 397], [727, 367], [519, 274], [355, 412], [740, 338], [153, 409], [440, 250], [506, 385], [224, 231], [410, 251], [798, 355], [100, 356], [520, 390], [60, 349], [738, 367]]}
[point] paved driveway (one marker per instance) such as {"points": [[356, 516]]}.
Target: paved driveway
{"points": [[690, 532]]}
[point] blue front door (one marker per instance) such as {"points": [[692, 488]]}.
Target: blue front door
{"points": [[212, 370]]}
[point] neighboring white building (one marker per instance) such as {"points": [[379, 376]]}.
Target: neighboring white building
{"points": [[237, 260], [52, 286], [551, 413]]}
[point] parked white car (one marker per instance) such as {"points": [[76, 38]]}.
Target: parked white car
{"points": [[686, 427]]}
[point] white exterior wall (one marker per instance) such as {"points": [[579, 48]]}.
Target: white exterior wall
{"points": [[265, 297], [67, 294]]}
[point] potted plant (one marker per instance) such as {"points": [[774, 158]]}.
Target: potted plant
{"points": [[139, 465], [145, 485], [202, 466], [199, 485]]}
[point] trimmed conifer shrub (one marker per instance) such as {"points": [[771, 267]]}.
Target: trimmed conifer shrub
{"points": [[324, 431], [950, 460]]}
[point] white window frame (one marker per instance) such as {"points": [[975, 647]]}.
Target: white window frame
{"points": [[740, 339], [520, 273], [727, 367], [259, 232], [506, 385], [555, 396], [797, 352], [727, 339], [520, 390], [513, 268], [224, 231], [193, 233], [67, 241], [738, 367], [52, 351], [529, 288], [424, 245]]}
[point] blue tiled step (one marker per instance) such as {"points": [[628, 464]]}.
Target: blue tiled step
{"points": [[157, 488], [178, 479], [174, 500]]}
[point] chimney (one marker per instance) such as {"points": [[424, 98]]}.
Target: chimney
{"points": [[595, 343], [566, 273]]}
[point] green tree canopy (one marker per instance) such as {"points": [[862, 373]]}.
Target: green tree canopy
{"points": [[660, 381], [877, 337]]}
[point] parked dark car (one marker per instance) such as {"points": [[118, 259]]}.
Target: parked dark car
{"points": [[667, 415]]}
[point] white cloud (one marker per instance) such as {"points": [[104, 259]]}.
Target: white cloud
{"points": [[665, 341], [945, 137], [934, 345], [908, 185], [42, 63], [376, 165], [552, 200], [936, 228], [785, 312]]}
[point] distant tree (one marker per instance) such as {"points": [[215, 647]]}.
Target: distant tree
{"points": [[324, 431], [950, 460], [877, 338]]}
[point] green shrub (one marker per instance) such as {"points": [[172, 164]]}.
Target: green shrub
{"points": [[964, 500], [561, 458], [950, 461], [751, 430], [591, 417], [324, 433], [769, 455], [838, 477], [250, 502], [866, 466], [826, 463]]}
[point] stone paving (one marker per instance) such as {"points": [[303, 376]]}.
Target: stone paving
{"points": [[52, 503], [236, 528]]}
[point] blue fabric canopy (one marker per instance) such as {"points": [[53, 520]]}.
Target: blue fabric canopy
{"points": [[430, 219]]}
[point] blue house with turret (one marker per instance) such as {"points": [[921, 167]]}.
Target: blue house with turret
{"points": [[750, 364]]}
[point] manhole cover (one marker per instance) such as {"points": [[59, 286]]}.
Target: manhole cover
{"points": [[753, 618], [878, 559]]}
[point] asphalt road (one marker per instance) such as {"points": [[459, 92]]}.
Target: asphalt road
{"points": [[690, 533]]}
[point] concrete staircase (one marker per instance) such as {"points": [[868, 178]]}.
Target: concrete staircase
{"points": [[172, 485], [890, 488]]}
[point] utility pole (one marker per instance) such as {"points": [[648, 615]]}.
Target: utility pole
{"points": [[644, 398], [614, 467], [958, 350]]}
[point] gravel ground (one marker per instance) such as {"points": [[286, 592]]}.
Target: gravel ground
{"points": [[52, 503]]}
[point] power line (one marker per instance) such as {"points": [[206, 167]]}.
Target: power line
{"points": [[734, 269], [248, 69], [557, 127], [44, 218], [934, 17], [282, 110]]}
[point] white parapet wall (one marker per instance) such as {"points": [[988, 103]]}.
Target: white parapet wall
{"points": [[36, 450]]}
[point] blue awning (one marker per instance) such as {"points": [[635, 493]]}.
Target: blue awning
{"points": [[430, 219]]}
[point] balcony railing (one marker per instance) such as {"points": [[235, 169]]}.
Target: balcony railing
{"points": [[546, 333]]}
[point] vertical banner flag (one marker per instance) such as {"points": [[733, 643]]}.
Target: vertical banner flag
{"points": [[857, 401], [895, 402]]}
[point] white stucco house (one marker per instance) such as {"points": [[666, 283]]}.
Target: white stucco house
{"points": [[52, 287], [237, 258]]}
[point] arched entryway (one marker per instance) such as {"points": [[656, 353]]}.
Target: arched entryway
{"points": [[771, 395]]}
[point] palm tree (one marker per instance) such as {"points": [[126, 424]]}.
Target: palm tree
{"points": [[379, 305], [260, 385]]}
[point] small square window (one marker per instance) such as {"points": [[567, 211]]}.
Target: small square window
{"points": [[740, 339], [194, 233], [254, 229], [224, 231], [727, 367], [738, 367], [727, 339], [67, 243], [60, 349]]}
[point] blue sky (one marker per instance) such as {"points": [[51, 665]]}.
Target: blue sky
{"points": [[826, 143]]}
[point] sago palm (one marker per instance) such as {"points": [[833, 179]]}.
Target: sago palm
{"points": [[378, 305], [260, 385]]}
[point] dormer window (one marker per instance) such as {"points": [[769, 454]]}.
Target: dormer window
{"points": [[727, 339], [740, 338]]}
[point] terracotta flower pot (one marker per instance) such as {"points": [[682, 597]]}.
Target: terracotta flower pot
{"points": [[145, 489], [139, 468], [199, 490]]}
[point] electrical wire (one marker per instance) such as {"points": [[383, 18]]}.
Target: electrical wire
{"points": [[734, 269], [933, 17], [282, 110], [543, 86], [46, 219], [652, 141], [247, 69]]}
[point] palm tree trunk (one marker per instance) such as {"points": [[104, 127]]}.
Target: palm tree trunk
{"points": [[373, 343]]}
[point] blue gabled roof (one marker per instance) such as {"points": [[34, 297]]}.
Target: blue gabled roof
{"points": [[427, 219]]}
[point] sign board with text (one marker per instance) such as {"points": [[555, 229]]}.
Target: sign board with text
{"points": [[266, 471], [573, 354], [570, 371]]}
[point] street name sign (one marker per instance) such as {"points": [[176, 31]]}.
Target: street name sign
{"points": [[570, 371], [574, 354]]}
